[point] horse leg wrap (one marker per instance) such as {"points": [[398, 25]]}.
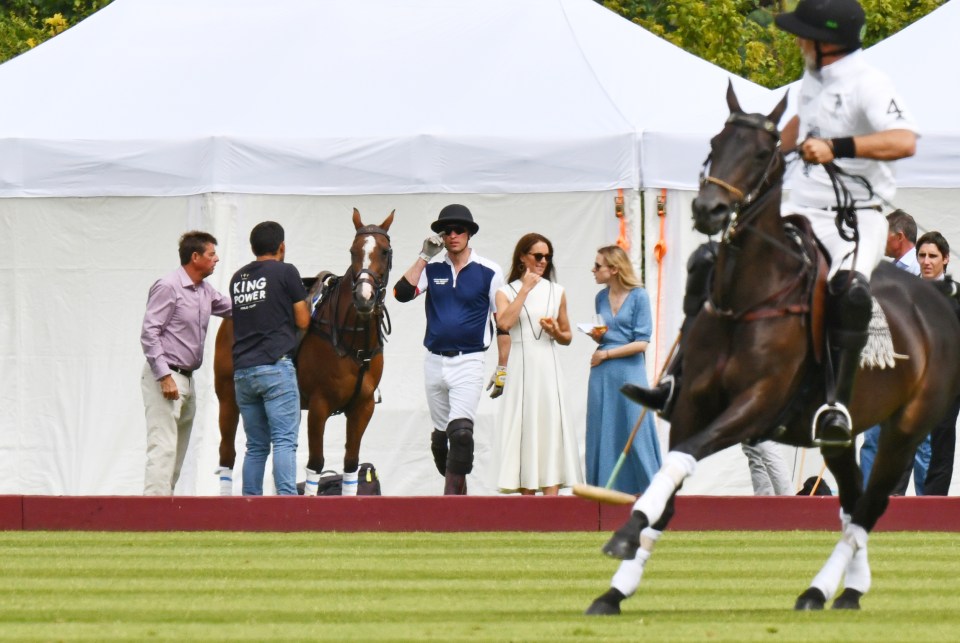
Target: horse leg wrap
{"points": [[350, 481], [676, 467], [460, 457], [857, 575], [226, 481], [312, 485], [438, 446], [628, 575], [854, 538]]}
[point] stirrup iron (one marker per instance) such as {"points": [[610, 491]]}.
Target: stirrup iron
{"points": [[820, 442]]}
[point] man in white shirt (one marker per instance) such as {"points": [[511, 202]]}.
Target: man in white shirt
{"points": [[848, 114]]}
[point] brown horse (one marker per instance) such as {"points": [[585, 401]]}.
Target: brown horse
{"points": [[340, 359], [753, 359]]}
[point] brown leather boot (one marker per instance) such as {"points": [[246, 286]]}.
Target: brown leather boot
{"points": [[455, 484]]}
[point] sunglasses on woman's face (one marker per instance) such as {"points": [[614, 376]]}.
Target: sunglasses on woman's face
{"points": [[453, 229], [539, 256], [597, 266]]}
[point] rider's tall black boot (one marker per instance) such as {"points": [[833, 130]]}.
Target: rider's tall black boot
{"points": [[659, 398], [850, 320]]}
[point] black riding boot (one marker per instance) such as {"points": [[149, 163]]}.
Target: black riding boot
{"points": [[661, 398], [455, 484], [439, 449], [459, 458], [851, 314]]}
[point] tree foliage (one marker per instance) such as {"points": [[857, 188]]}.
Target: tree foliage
{"points": [[739, 35], [24, 24]]}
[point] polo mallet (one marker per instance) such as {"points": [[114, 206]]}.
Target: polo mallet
{"points": [[803, 458], [605, 494], [816, 484]]}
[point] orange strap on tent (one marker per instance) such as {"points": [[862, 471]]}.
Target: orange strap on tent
{"points": [[659, 252], [622, 239]]}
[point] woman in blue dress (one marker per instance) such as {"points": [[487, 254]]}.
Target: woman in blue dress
{"points": [[625, 309]]}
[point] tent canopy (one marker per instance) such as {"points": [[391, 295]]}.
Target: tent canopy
{"points": [[179, 97], [906, 57]]}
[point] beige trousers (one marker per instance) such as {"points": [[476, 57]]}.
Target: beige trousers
{"points": [[169, 423]]}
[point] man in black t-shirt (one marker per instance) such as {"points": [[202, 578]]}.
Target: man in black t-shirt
{"points": [[269, 304]]}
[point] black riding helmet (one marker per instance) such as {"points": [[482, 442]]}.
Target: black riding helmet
{"points": [[839, 22]]}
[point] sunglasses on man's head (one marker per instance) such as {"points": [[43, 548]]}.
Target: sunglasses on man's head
{"points": [[539, 256], [453, 229]]}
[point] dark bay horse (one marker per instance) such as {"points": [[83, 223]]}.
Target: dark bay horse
{"points": [[754, 363], [340, 359]]}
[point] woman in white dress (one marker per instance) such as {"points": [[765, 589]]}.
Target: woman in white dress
{"points": [[538, 446]]}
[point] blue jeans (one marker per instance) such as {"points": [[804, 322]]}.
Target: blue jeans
{"points": [[869, 451], [269, 402]]}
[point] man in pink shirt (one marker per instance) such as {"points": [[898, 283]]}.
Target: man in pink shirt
{"points": [[174, 329]]}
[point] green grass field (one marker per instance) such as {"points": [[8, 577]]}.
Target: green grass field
{"points": [[710, 586]]}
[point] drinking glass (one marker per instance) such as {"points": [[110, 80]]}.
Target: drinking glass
{"points": [[599, 323]]}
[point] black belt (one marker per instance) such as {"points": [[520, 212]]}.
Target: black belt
{"points": [[452, 353], [833, 208], [182, 371]]}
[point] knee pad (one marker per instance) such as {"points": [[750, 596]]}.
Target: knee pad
{"points": [[438, 446], [460, 435], [852, 304], [698, 276]]}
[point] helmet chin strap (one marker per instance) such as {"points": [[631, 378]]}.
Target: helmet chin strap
{"points": [[833, 52]]}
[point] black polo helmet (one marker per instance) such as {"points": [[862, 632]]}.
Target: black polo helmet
{"points": [[455, 213], [839, 22]]}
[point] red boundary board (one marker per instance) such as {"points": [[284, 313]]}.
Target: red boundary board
{"points": [[438, 513]]}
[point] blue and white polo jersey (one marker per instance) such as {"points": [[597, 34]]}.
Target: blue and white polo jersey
{"points": [[459, 305]]}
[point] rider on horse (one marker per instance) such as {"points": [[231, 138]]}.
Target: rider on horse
{"points": [[850, 116]]}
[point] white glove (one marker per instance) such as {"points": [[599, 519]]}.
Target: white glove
{"points": [[497, 381], [431, 247]]}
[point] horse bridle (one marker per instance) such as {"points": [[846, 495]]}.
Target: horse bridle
{"points": [[747, 205], [377, 282], [378, 312], [744, 201]]}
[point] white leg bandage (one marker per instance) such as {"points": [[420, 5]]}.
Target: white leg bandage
{"points": [[676, 467], [628, 575], [845, 519], [858, 570], [226, 481], [828, 580], [350, 483], [312, 485]]}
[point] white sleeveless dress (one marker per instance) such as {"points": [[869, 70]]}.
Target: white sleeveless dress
{"points": [[538, 446]]}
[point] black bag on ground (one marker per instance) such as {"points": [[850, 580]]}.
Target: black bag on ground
{"points": [[331, 482], [822, 489]]}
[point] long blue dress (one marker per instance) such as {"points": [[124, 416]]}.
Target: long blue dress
{"points": [[610, 416]]}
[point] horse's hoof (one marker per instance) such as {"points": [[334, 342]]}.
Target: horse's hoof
{"points": [[608, 604], [812, 599], [625, 542], [849, 599]]}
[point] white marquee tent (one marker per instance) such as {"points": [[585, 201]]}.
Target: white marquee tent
{"points": [[157, 116]]}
